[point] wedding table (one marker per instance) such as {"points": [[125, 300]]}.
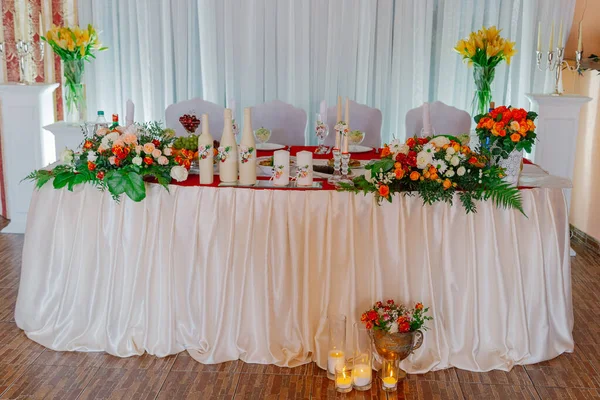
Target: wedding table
{"points": [[238, 273]]}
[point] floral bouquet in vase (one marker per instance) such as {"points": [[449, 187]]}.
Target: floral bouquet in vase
{"points": [[508, 131], [74, 46], [485, 49]]}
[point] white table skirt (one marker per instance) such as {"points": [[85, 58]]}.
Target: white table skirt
{"points": [[240, 273]]}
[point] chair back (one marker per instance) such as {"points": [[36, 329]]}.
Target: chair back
{"points": [[445, 119], [286, 122], [196, 107], [362, 118]]}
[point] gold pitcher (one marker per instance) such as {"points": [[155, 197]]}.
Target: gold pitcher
{"points": [[396, 346]]}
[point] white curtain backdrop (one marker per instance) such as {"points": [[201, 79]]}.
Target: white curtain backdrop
{"points": [[393, 55]]}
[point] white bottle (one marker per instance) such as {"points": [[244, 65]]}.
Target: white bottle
{"points": [[228, 151], [205, 153], [247, 152]]}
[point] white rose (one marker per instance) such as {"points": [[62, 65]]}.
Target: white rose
{"points": [[102, 131], [440, 141], [394, 327], [137, 160], [450, 150], [460, 171], [455, 161], [424, 158], [162, 160], [404, 149], [167, 151], [112, 160], [138, 149], [66, 156], [92, 156], [450, 173], [179, 173]]}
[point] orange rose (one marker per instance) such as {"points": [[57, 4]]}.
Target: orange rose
{"points": [[447, 184], [515, 137], [426, 174], [384, 191], [432, 170], [456, 147], [419, 306], [399, 173], [91, 166], [530, 125], [87, 145], [489, 124], [385, 151], [433, 176], [466, 149], [472, 160], [414, 175], [502, 133], [397, 165]]}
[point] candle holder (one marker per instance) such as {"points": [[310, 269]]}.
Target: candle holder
{"points": [[557, 65], [389, 375], [343, 378], [362, 371], [337, 164], [345, 169], [336, 356], [24, 50]]}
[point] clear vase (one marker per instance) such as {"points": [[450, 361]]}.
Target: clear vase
{"points": [[484, 76], [74, 91], [512, 166]]}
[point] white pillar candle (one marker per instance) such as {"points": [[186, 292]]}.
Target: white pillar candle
{"points": [[334, 359], [560, 35], [304, 161], [205, 153], [345, 145], [580, 40], [339, 109], [539, 46], [347, 114], [551, 38], [361, 375], [343, 380], [281, 167], [427, 128], [389, 382]]}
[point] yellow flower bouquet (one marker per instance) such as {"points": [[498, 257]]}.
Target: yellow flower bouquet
{"points": [[74, 46], [485, 49]]}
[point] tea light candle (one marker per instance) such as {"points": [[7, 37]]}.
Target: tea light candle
{"points": [[334, 359], [361, 375], [343, 380], [281, 166], [304, 159], [389, 382]]}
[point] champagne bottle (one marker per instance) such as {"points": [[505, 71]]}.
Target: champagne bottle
{"points": [[247, 150], [228, 152], [205, 153]]}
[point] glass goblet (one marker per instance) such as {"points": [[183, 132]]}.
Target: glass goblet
{"points": [[321, 131], [262, 136]]}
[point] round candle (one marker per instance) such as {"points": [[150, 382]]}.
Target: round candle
{"points": [[343, 382], [304, 160], [389, 382], [281, 166], [334, 359], [361, 374]]}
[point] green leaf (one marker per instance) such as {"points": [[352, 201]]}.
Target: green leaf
{"points": [[130, 183], [62, 179]]}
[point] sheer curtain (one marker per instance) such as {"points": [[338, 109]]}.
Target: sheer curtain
{"points": [[393, 55]]}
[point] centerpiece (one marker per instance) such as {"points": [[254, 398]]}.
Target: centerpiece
{"points": [[436, 168], [74, 46], [485, 49], [117, 160]]}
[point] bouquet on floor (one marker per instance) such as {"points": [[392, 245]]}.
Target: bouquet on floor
{"points": [[117, 160], [436, 168], [485, 49], [391, 317]]}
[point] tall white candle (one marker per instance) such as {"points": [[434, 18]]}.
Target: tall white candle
{"points": [[339, 109], [551, 38], [281, 166], [361, 375], [347, 114], [539, 46], [304, 161], [205, 153], [41, 26], [345, 144], [17, 22], [560, 35], [580, 41]]}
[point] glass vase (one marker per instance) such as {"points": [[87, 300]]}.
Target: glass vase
{"points": [[484, 76], [362, 371], [336, 355], [74, 91]]}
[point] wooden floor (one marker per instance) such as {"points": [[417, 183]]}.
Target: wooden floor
{"points": [[28, 370]]}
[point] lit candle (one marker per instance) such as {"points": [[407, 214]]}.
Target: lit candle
{"points": [[361, 375], [334, 359], [304, 160], [580, 42], [551, 37], [539, 47], [343, 379], [389, 382], [560, 35]]}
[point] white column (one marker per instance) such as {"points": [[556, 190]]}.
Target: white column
{"points": [[65, 135], [557, 128], [26, 146]]}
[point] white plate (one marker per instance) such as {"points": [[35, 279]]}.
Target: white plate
{"points": [[269, 146], [356, 148]]}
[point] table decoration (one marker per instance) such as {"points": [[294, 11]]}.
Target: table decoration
{"points": [[228, 152], [206, 153], [509, 131], [362, 371], [185, 151], [336, 356], [117, 161], [304, 169], [389, 375], [247, 151], [484, 50], [396, 330], [281, 168], [74, 46], [321, 131], [343, 378], [436, 168]]}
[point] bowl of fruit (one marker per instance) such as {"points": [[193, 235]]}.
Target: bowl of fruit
{"points": [[190, 122], [185, 150]]}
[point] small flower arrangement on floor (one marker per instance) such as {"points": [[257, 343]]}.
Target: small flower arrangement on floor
{"points": [[391, 317]]}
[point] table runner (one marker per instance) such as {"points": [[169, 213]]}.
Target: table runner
{"points": [[230, 273]]}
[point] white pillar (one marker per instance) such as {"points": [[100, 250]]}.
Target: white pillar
{"points": [[26, 146], [557, 128], [65, 135]]}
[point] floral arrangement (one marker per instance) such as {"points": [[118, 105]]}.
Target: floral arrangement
{"points": [[223, 153], [117, 161], [484, 50], [436, 168], [506, 129], [245, 153], [391, 317], [342, 127], [321, 130], [204, 152]]}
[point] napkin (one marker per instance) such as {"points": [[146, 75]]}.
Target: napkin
{"points": [[427, 128], [323, 111], [129, 114]]}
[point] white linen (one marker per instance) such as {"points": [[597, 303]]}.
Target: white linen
{"points": [[180, 271], [391, 55]]}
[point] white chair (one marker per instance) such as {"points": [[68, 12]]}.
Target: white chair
{"points": [[286, 122], [197, 107], [445, 119], [362, 118]]}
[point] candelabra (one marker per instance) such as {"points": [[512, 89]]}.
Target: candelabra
{"points": [[24, 50], [557, 65]]}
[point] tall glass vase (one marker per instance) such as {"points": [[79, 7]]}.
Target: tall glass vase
{"points": [[74, 92], [484, 76]]}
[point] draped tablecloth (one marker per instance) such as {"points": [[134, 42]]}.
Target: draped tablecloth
{"points": [[228, 273]]}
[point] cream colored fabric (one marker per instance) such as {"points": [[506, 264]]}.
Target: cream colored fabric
{"points": [[240, 273]]}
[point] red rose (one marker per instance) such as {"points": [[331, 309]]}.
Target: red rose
{"points": [[148, 160], [372, 315], [156, 143], [390, 301], [419, 306], [100, 175], [368, 325], [404, 327], [91, 166], [411, 142], [472, 160], [87, 145], [423, 140]]}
